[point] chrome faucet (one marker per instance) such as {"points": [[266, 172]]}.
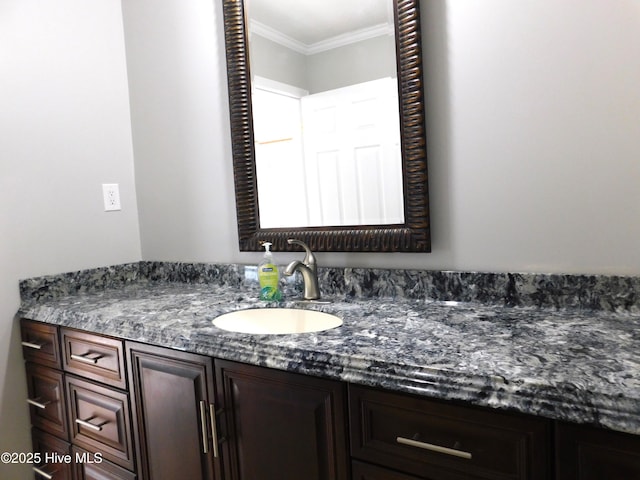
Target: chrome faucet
{"points": [[308, 269]]}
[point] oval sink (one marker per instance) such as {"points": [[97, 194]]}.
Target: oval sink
{"points": [[274, 321]]}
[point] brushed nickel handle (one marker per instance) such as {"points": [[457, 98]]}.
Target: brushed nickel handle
{"points": [[434, 448], [35, 346], [92, 426], [37, 403], [203, 427], [42, 473], [214, 429], [85, 358]]}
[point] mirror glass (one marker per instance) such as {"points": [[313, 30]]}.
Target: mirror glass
{"points": [[326, 120], [326, 106]]}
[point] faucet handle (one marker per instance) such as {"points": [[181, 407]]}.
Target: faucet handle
{"points": [[309, 258]]}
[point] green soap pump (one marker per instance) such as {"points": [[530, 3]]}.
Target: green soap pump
{"points": [[269, 276]]}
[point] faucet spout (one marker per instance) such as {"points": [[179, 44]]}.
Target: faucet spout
{"points": [[308, 270]]}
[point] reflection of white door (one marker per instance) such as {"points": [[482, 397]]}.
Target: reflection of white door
{"points": [[353, 163], [278, 147]]}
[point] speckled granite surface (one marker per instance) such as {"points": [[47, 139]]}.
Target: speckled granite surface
{"points": [[564, 347]]}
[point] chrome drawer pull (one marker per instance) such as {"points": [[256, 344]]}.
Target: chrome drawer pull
{"points": [[42, 473], [85, 358], [433, 448], [35, 346], [37, 403], [203, 427], [85, 423]]}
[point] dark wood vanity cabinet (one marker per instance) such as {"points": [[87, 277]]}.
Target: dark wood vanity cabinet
{"points": [[98, 403], [79, 407], [155, 413], [282, 425], [46, 399], [174, 413]]}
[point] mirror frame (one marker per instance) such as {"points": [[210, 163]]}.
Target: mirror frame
{"points": [[411, 236]]}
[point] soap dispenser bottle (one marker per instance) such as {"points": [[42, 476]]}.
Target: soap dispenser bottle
{"points": [[269, 276]]}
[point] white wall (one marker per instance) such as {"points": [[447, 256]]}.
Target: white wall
{"points": [[537, 134], [533, 136], [180, 123], [64, 130]]}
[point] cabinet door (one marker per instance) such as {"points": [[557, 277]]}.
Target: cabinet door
{"points": [[587, 453], [172, 403], [281, 425]]}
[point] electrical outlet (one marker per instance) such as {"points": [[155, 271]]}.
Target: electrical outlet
{"points": [[111, 196]]}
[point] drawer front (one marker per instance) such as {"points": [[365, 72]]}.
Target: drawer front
{"points": [[94, 356], [587, 453], [89, 466], [433, 439], [56, 461], [40, 343], [45, 387], [365, 471], [99, 420]]}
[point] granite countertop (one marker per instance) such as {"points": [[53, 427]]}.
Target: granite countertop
{"points": [[577, 365]]}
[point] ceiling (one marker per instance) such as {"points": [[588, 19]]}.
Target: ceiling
{"points": [[312, 21]]}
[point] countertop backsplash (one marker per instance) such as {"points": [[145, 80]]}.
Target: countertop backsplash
{"points": [[557, 291]]}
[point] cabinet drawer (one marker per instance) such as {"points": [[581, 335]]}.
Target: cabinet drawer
{"points": [[433, 439], [99, 420], [89, 467], [54, 453], [40, 343], [364, 471], [94, 356], [589, 453], [45, 387]]}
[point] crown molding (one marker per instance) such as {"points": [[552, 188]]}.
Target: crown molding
{"points": [[278, 37]]}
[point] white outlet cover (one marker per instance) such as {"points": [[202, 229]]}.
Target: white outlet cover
{"points": [[111, 197]]}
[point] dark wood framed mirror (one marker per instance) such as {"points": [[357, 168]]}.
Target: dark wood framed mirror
{"points": [[412, 234]]}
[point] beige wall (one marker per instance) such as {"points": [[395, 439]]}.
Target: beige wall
{"points": [[64, 130], [532, 130]]}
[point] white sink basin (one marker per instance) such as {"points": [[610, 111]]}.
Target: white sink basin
{"points": [[274, 321]]}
